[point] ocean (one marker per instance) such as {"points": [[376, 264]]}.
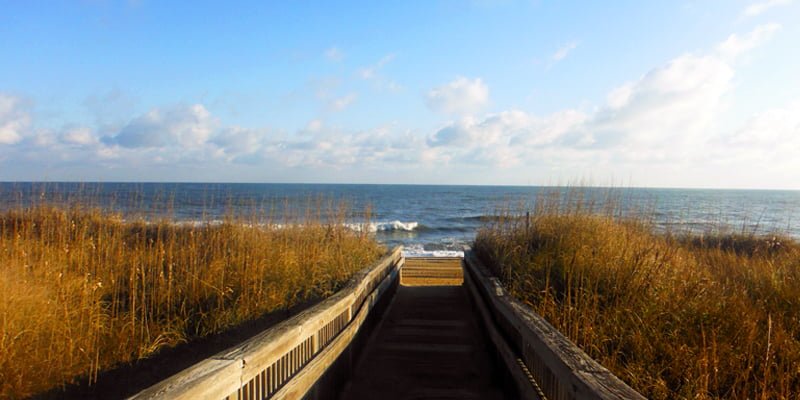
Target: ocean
{"points": [[435, 220]]}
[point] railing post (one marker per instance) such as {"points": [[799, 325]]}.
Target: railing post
{"points": [[283, 352]]}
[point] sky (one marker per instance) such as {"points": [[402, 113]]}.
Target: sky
{"points": [[679, 93]]}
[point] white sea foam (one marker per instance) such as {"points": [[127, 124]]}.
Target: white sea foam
{"points": [[418, 250], [384, 226], [199, 223], [372, 227]]}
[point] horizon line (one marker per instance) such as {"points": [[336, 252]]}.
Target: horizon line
{"points": [[568, 185]]}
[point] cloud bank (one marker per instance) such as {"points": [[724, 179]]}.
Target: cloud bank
{"points": [[669, 116], [185, 126], [663, 122]]}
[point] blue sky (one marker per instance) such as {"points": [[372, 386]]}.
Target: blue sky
{"points": [[666, 94]]}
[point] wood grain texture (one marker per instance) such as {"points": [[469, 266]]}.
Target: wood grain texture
{"points": [[305, 379], [432, 271], [560, 368], [226, 372]]}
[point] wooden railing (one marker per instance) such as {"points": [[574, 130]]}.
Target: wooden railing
{"points": [[542, 362], [288, 360], [292, 359]]}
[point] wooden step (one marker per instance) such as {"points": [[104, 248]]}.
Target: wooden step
{"points": [[439, 271]]}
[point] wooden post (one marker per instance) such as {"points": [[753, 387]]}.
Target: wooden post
{"points": [[527, 221]]}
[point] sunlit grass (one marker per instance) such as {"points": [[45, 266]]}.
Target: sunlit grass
{"points": [[83, 289], [674, 315]]}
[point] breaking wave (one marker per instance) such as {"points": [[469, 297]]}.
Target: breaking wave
{"points": [[419, 250], [391, 226]]}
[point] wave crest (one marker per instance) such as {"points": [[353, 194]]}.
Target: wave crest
{"points": [[384, 226]]}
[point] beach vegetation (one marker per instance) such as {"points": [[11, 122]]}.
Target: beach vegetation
{"points": [[687, 314], [83, 289]]}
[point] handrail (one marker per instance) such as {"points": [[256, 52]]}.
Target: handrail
{"points": [[542, 361], [286, 360]]}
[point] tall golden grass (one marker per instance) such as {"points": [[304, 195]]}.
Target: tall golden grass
{"points": [[674, 315], [82, 289]]}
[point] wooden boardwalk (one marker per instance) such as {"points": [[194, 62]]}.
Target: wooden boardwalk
{"points": [[404, 328], [428, 346]]}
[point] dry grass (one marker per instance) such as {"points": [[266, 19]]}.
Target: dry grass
{"points": [[675, 316], [82, 290]]}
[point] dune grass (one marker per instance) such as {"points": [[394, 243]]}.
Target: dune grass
{"points": [[674, 315], [82, 289]]}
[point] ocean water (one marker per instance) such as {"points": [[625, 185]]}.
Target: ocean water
{"points": [[425, 219]]}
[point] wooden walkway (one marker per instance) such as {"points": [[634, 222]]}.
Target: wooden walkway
{"points": [[431, 334], [428, 346]]}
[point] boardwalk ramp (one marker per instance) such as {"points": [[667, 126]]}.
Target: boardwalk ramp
{"points": [[404, 328], [430, 344]]}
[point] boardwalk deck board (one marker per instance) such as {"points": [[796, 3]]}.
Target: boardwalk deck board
{"points": [[446, 334], [428, 346]]}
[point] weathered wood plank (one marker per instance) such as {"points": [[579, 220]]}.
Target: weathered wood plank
{"points": [[426, 271], [562, 370], [308, 376], [210, 378], [525, 388], [225, 373]]}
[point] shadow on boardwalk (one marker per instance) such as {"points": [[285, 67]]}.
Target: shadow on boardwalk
{"points": [[129, 379], [429, 345]]}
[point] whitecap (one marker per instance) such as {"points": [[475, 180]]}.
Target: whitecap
{"points": [[384, 226], [418, 250]]}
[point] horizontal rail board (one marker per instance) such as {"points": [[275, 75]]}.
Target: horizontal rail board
{"points": [[299, 385], [526, 386], [288, 360], [558, 368], [262, 366]]}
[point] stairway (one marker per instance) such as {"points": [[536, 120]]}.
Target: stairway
{"points": [[429, 345]]}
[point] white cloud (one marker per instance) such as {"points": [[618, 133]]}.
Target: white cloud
{"points": [[669, 105], [334, 54], [314, 125], [459, 134], [760, 7], [667, 116], [736, 45], [335, 149], [235, 140], [762, 152], [43, 138], [189, 138], [551, 130], [776, 129], [620, 96], [341, 103], [14, 120], [504, 139], [327, 90], [564, 51], [371, 72], [672, 112], [82, 136], [186, 126], [461, 96]]}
